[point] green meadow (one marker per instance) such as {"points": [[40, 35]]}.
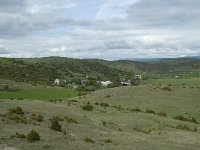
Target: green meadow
{"points": [[28, 91], [39, 93]]}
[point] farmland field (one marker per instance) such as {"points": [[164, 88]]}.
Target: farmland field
{"points": [[27, 91]]}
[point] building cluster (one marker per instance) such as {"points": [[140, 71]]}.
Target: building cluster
{"points": [[59, 82]]}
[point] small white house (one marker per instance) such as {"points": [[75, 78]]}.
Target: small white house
{"points": [[137, 77], [57, 81], [83, 82], [126, 83], [106, 83]]}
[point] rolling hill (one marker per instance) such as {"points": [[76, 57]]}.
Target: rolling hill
{"points": [[45, 70]]}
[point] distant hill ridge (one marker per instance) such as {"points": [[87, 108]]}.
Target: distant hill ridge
{"points": [[46, 69]]}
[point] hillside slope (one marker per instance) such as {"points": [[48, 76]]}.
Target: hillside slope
{"points": [[47, 69], [140, 117]]}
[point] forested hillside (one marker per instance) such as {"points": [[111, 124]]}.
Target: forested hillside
{"points": [[45, 70]]}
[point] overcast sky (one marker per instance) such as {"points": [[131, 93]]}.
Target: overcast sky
{"points": [[107, 29]]}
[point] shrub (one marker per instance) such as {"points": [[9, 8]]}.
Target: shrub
{"points": [[136, 109], [104, 104], [17, 110], [182, 127], [89, 140], [70, 120], [104, 122], [88, 107], [166, 89], [96, 103], [37, 117], [150, 111], [55, 125], [33, 136], [6, 88], [108, 141], [17, 118], [162, 114], [188, 119], [58, 118], [46, 146], [22, 136], [118, 107], [195, 129], [108, 96]]}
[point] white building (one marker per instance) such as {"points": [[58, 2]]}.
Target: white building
{"points": [[105, 83], [137, 77], [57, 81]]}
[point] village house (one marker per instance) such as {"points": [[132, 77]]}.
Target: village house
{"points": [[83, 82], [137, 77], [105, 83], [59, 82], [125, 83]]}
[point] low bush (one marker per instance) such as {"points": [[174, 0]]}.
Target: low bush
{"points": [[162, 114], [188, 119], [46, 146], [88, 107], [33, 136], [104, 122], [89, 140], [38, 117], [58, 118], [182, 127], [17, 118], [96, 103], [55, 125], [166, 89], [150, 111], [104, 104], [70, 120], [145, 131], [108, 96], [136, 109], [17, 110], [22, 136], [108, 141], [118, 107]]}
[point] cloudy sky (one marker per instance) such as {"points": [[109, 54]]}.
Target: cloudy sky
{"points": [[107, 29]]}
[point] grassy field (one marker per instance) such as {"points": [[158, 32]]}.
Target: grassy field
{"points": [[28, 91], [39, 93], [143, 117]]}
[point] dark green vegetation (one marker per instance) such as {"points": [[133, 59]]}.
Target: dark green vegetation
{"points": [[45, 70], [55, 125], [33, 136]]}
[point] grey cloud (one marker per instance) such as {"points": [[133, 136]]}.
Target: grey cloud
{"points": [[152, 28], [165, 13], [3, 50], [29, 20], [118, 44], [12, 6]]}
